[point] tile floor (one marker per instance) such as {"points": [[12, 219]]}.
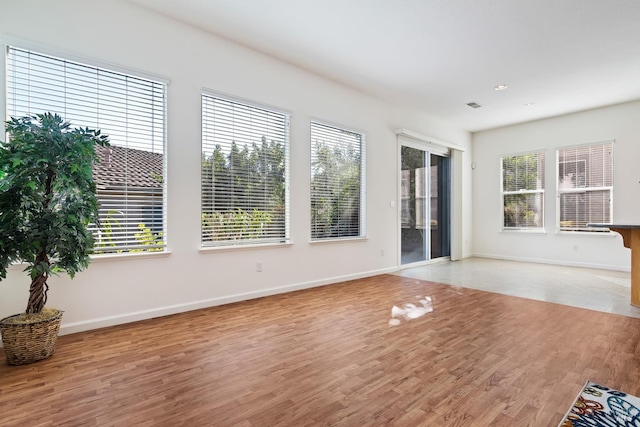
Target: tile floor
{"points": [[600, 290]]}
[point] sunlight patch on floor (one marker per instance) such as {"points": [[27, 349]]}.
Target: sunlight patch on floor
{"points": [[410, 311]]}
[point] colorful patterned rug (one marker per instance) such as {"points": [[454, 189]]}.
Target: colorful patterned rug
{"points": [[599, 406]]}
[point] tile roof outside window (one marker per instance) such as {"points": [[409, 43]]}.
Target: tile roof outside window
{"points": [[120, 166]]}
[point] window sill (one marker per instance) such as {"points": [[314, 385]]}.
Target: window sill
{"points": [[523, 230], [338, 240], [586, 233], [232, 248], [128, 256], [107, 258]]}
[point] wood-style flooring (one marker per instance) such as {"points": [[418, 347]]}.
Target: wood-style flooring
{"points": [[328, 356]]}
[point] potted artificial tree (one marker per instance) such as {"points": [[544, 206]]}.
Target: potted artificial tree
{"points": [[47, 201]]}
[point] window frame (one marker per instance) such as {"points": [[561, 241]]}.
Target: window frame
{"points": [[121, 74], [583, 189], [362, 214], [540, 191], [227, 245]]}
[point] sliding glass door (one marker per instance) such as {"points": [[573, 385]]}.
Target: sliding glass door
{"points": [[440, 205], [425, 188]]}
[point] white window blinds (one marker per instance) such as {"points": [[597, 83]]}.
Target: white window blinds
{"points": [[585, 186], [523, 191], [337, 183], [245, 174], [131, 111]]}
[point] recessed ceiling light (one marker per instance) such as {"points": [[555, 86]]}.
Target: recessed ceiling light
{"points": [[501, 87], [529, 104]]}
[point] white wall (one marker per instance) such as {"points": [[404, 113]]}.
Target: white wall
{"points": [[620, 123], [129, 288]]}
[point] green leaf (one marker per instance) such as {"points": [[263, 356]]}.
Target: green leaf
{"points": [[47, 194]]}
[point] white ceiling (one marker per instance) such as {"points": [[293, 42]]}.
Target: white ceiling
{"points": [[438, 55]]}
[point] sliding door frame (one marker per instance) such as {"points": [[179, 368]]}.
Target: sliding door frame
{"points": [[454, 152]]}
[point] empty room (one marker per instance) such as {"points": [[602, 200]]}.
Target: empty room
{"points": [[292, 213]]}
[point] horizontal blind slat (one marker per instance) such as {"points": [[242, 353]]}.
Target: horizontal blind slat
{"points": [[585, 184], [337, 182], [128, 109], [523, 191], [244, 174]]}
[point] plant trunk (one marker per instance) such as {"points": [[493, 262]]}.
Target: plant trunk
{"points": [[38, 289]]}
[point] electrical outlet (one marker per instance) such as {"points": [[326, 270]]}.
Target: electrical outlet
{"points": [[259, 267]]}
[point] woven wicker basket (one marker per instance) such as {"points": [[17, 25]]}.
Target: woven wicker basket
{"points": [[27, 343]]}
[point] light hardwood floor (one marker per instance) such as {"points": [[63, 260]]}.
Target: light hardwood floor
{"points": [[328, 356]]}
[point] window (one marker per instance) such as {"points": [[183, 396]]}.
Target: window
{"points": [[245, 174], [585, 186], [337, 183], [523, 191], [131, 111]]}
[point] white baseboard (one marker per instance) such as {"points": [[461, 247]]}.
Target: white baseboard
{"points": [[101, 322], [554, 262]]}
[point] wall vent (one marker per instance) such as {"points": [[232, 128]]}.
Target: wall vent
{"points": [[474, 105]]}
